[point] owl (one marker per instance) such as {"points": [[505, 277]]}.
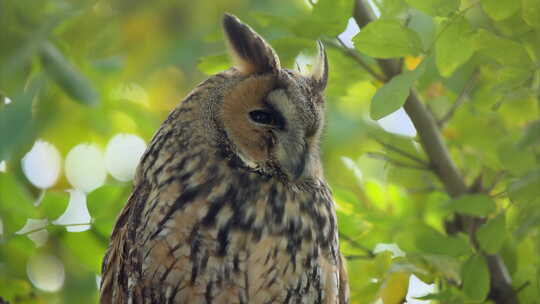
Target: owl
{"points": [[229, 203]]}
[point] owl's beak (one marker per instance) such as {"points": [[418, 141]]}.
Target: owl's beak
{"points": [[295, 161]]}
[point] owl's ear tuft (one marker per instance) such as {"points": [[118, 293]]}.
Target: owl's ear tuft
{"points": [[319, 72], [251, 54]]}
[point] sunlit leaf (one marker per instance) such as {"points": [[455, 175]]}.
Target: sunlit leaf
{"points": [[332, 15], [500, 9], [454, 46], [387, 39]]}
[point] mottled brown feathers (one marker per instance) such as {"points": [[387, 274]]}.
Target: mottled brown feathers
{"points": [[227, 208]]}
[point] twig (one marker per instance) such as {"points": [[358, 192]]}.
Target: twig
{"points": [[463, 95], [379, 155], [402, 152], [347, 238], [358, 257], [522, 286], [42, 228], [355, 56]]}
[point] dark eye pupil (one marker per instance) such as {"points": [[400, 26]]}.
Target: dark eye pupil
{"points": [[262, 117]]}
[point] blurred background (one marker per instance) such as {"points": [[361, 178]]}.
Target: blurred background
{"points": [[85, 84]]}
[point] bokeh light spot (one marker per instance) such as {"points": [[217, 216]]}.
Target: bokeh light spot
{"points": [[46, 272], [85, 167], [42, 164], [122, 156]]}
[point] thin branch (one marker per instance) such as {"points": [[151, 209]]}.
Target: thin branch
{"points": [[357, 245], [462, 97], [355, 56], [522, 286], [402, 152], [42, 228], [358, 257], [382, 156]]}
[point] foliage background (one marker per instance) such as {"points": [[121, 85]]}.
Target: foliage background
{"points": [[84, 71]]}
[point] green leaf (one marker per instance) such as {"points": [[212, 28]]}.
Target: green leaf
{"points": [[435, 7], [214, 63], [514, 158], [531, 12], [526, 188], [503, 50], [387, 39], [393, 94], [434, 242], [492, 234], [475, 276], [332, 15], [392, 9], [54, 204], [87, 248], [454, 46], [532, 135], [473, 204], [500, 9], [16, 116], [66, 75]]}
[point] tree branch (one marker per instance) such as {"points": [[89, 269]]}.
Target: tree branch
{"points": [[397, 163], [355, 56], [402, 152], [501, 290], [463, 95]]}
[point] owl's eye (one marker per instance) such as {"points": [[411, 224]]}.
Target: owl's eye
{"points": [[265, 117]]}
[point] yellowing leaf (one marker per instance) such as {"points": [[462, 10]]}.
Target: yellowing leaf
{"points": [[395, 288], [412, 62]]}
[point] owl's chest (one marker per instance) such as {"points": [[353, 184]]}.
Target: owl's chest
{"points": [[269, 249]]}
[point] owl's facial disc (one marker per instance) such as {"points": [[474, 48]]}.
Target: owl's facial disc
{"points": [[272, 116]]}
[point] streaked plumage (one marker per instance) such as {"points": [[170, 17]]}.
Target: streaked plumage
{"points": [[229, 203]]}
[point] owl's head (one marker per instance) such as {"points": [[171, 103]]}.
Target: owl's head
{"points": [[272, 116]]}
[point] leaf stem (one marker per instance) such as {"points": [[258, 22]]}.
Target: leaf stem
{"points": [[355, 56], [463, 95]]}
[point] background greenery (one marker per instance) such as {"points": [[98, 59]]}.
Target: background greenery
{"points": [[83, 71]]}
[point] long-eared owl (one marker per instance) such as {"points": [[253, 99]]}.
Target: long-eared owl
{"points": [[229, 202]]}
